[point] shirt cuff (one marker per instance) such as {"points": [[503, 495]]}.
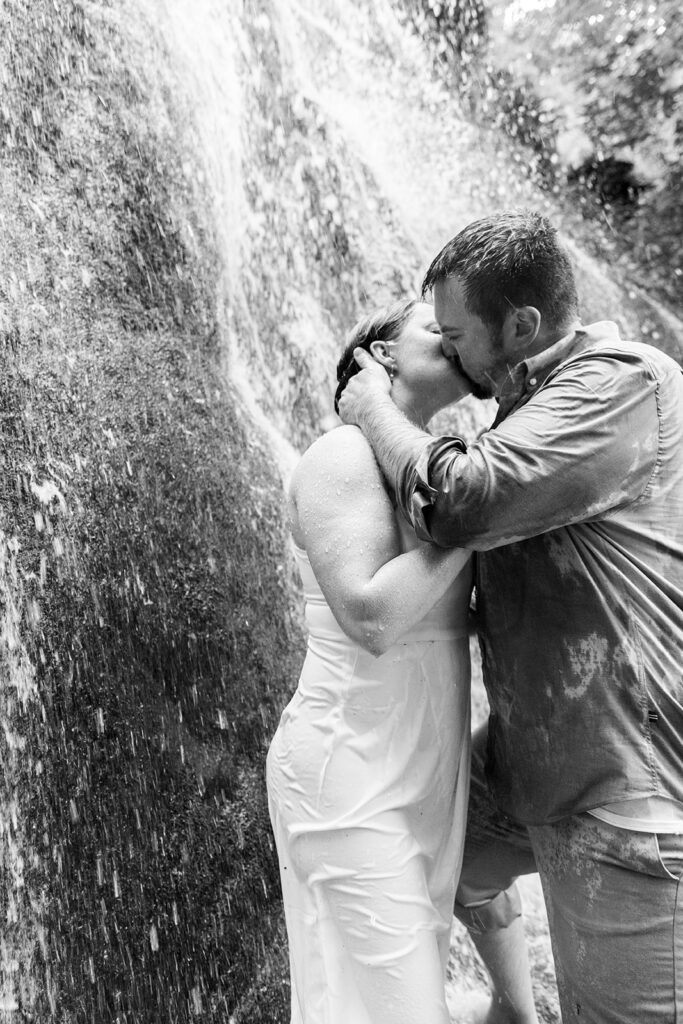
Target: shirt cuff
{"points": [[416, 495]]}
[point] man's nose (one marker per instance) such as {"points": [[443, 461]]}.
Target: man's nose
{"points": [[447, 347]]}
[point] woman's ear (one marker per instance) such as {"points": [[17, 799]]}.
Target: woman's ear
{"points": [[381, 352]]}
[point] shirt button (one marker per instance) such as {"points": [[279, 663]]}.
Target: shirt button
{"points": [[532, 382]]}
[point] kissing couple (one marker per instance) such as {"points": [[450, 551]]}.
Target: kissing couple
{"points": [[566, 520]]}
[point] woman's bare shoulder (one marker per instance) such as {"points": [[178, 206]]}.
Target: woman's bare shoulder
{"points": [[336, 480], [343, 451]]}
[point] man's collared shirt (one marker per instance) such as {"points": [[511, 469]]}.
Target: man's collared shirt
{"points": [[574, 501]]}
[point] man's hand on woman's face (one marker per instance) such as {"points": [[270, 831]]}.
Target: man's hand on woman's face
{"points": [[364, 388]]}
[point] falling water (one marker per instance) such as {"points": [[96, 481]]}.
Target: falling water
{"points": [[198, 200]]}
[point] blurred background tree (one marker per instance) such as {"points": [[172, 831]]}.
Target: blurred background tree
{"points": [[605, 80], [591, 90]]}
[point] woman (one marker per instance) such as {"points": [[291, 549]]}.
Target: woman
{"points": [[368, 771]]}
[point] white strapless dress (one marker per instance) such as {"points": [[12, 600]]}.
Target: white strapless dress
{"points": [[368, 777]]}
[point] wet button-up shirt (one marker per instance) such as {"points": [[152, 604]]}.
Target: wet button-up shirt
{"points": [[574, 501]]}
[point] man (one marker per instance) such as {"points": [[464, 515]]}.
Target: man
{"points": [[574, 503]]}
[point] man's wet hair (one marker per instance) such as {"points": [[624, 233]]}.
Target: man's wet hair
{"points": [[384, 324], [509, 260]]}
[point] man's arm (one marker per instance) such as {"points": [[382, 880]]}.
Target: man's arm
{"points": [[583, 446]]}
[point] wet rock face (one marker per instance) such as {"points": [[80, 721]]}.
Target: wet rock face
{"points": [[153, 609], [149, 634]]}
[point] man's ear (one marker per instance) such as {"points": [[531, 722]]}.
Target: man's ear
{"points": [[521, 329]]}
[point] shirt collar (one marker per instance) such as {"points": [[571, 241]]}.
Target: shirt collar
{"points": [[526, 377]]}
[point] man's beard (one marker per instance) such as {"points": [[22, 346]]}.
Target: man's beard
{"points": [[480, 391]]}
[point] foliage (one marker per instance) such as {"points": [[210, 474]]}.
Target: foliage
{"points": [[457, 36], [633, 77], [608, 74], [454, 30], [622, 60], [511, 105]]}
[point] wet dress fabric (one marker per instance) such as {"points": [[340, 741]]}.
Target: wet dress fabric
{"points": [[367, 776]]}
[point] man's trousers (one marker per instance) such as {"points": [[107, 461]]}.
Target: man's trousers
{"points": [[614, 900]]}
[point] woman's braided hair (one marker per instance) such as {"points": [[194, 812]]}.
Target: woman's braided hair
{"points": [[385, 324]]}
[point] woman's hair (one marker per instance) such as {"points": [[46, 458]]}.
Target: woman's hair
{"points": [[385, 324]]}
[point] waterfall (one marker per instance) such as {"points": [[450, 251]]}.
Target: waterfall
{"points": [[198, 199]]}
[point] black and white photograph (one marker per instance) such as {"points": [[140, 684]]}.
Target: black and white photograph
{"points": [[341, 514]]}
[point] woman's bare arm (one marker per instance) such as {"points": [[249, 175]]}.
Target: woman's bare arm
{"points": [[343, 517]]}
